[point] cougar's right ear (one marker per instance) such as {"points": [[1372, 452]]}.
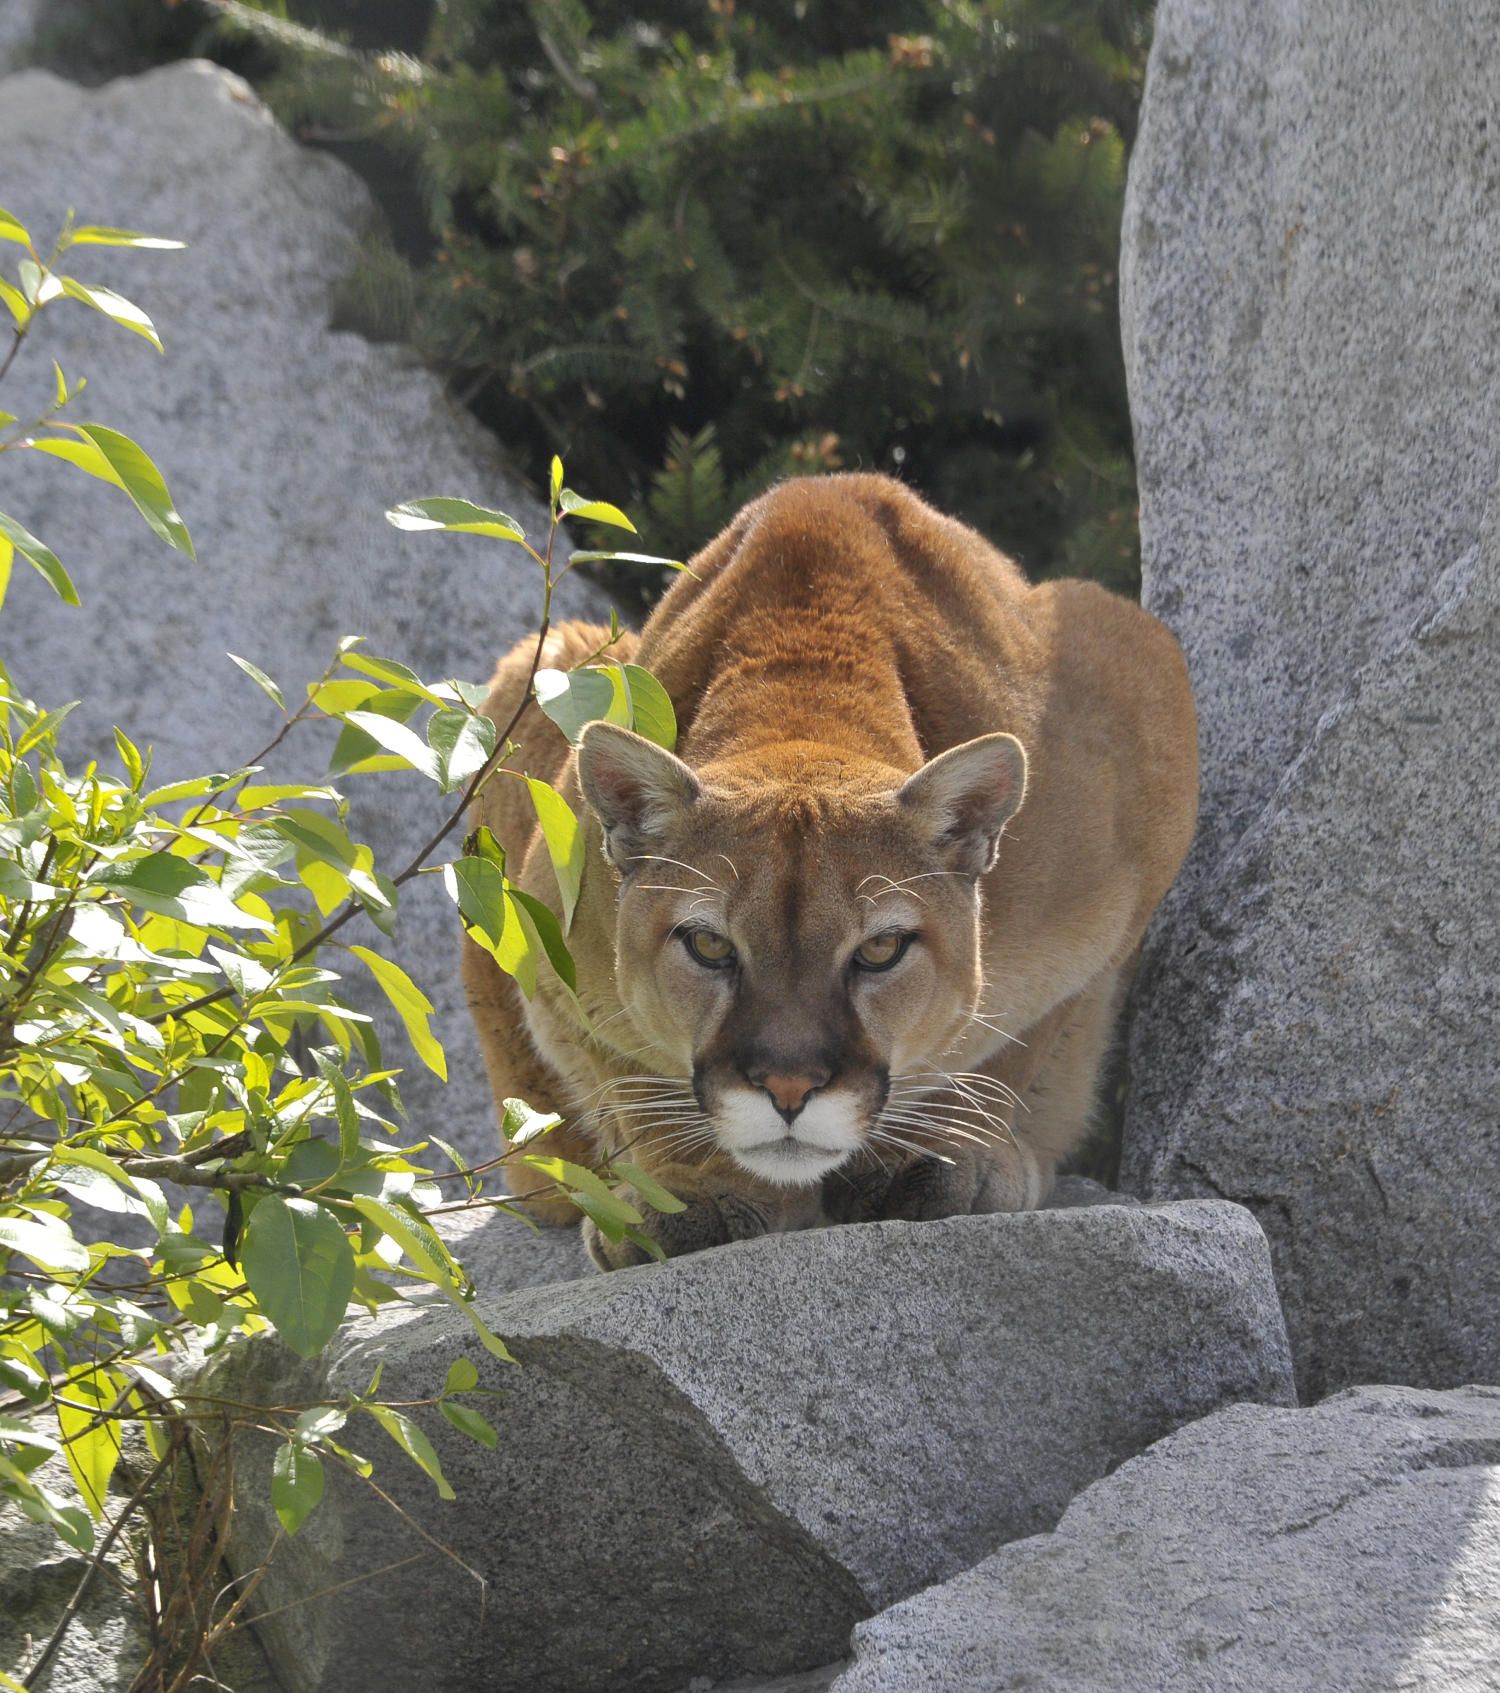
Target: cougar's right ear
{"points": [[637, 788]]}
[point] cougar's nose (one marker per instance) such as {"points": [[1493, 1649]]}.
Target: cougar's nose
{"points": [[789, 1092]]}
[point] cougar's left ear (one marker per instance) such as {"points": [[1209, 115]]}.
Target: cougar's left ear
{"points": [[965, 797], [637, 788]]}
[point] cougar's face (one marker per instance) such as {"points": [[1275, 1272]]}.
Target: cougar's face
{"points": [[788, 948], [788, 980]]}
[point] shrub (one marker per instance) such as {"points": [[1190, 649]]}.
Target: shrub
{"points": [[174, 1052]]}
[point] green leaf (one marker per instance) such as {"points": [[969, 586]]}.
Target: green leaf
{"points": [[7, 554], [585, 1184], [651, 1190], [113, 305], [39, 286], [27, 545], [458, 515], [463, 744], [596, 511], [564, 836], [412, 1006], [169, 885], [477, 886], [296, 1484], [470, 1423], [651, 713], [398, 675], [463, 1375], [397, 738], [130, 757], [12, 229], [317, 1422], [50, 1244], [432, 1260], [549, 932], [521, 1123], [95, 235], [626, 558], [140, 478], [16, 303], [260, 679], [318, 834], [92, 1453], [575, 698], [555, 476], [414, 1443], [300, 1267]]}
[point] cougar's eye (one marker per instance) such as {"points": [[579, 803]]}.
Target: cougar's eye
{"points": [[880, 952], [716, 951]]}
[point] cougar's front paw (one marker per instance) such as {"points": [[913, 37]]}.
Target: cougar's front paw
{"points": [[923, 1186]]}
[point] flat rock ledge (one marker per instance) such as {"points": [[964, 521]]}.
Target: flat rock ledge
{"points": [[716, 1467], [1350, 1546]]}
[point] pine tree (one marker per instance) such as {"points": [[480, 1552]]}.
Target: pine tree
{"points": [[876, 234]]}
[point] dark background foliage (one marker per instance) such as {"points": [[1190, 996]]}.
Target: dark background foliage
{"points": [[697, 245]]}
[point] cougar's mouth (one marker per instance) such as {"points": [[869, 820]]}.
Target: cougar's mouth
{"points": [[818, 1139]]}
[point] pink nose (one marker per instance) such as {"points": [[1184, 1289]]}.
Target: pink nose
{"points": [[789, 1092]]}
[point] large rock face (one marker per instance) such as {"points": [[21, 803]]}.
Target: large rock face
{"points": [[282, 444], [718, 1465], [1353, 1546], [1312, 323]]}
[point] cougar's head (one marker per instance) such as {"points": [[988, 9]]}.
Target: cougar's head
{"points": [[796, 928]]}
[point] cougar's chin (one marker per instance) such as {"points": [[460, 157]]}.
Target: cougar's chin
{"points": [[797, 1154]]}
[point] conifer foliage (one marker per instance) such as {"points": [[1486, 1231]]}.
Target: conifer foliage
{"points": [[701, 244]]}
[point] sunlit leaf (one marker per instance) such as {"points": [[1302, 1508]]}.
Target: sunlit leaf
{"points": [[50, 1243], [458, 515], [397, 738], [12, 229], [596, 511], [92, 1451], [410, 1438], [651, 1190], [45, 560], [140, 478], [95, 235], [259, 677], [549, 932], [296, 1484], [164, 883], [651, 713], [564, 836], [432, 1260], [411, 1005], [114, 306], [477, 886], [575, 698], [463, 744]]}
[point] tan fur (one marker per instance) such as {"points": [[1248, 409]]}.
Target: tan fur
{"points": [[839, 637]]}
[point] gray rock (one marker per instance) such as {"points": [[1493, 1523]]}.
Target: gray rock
{"points": [[106, 1643], [1352, 1546], [714, 1467], [502, 1253], [1311, 254], [282, 444]]}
